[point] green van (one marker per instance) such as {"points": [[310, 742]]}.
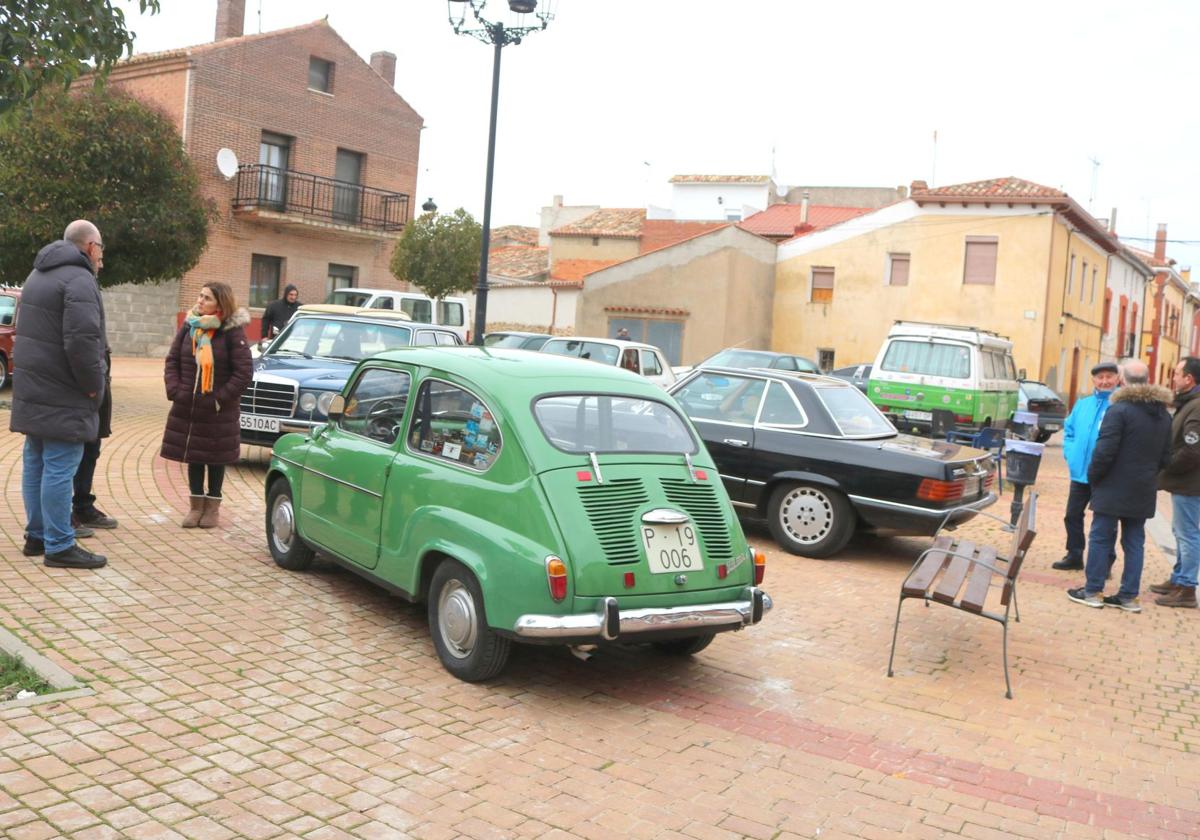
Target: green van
{"points": [[922, 367]]}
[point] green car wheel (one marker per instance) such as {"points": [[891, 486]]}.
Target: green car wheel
{"points": [[467, 647], [288, 550]]}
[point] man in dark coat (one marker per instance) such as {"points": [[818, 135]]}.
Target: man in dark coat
{"points": [[279, 312], [1134, 444], [58, 385]]}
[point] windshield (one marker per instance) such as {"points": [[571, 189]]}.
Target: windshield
{"points": [[348, 297], [595, 351], [1038, 391], [346, 340], [510, 341], [8, 310], [854, 414], [602, 423]]}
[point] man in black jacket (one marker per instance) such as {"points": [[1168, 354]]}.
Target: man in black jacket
{"points": [[58, 385], [1182, 478], [279, 312], [1134, 444]]}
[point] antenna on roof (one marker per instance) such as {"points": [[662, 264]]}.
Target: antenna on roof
{"points": [[259, 17], [1095, 178], [933, 169]]}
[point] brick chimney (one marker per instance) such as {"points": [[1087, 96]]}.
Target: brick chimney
{"points": [[918, 186], [384, 63], [231, 18], [1160, 243], [1112, 222]]}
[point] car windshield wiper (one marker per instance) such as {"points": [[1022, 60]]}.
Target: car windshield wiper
{"points": [[290, 353]]}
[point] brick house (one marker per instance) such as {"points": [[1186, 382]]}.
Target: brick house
{"points": [[327, 153]]}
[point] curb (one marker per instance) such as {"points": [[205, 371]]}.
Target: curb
{"points": [[68, 686]]}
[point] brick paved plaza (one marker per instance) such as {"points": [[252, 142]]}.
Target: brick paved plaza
{"points": [[234, 699]]}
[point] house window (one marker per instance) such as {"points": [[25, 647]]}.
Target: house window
{"points": [[320, 75], [667, 336], [1082, 281], [1071, 274], [822, 285], [340, 277], [347, 194], [274, 156], [1122, 320], [1133, 328], [265, 273], [898, 269], [1095, 272], [825, 359], [979, 264]]}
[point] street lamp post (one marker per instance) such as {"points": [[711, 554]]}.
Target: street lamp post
{"points": [[499, 36]]}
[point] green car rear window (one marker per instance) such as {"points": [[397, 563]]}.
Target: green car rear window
{"points": [[606, 423]]}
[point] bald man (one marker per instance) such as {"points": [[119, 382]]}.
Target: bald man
{"points": [[57, 388]]}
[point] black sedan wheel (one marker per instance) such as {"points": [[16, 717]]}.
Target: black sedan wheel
{"points": [[3, 372], [290, 552], [1043, 436], [467, 647], [809, 520]]}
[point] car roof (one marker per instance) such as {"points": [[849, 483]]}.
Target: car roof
{"points": [[794, 375], [516, 332], [368, 317], [525, 373], [616, 342]]}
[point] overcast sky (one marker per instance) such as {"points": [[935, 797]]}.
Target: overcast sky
{"points": [[618, 95]]}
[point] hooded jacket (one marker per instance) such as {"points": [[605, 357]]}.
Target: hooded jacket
{"points": [[279, 312], [1182, 474], [58, 353], [1134, 444], [206, 428], [1080, 432]]}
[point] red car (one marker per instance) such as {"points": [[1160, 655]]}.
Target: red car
{"points": [[10, 301]]}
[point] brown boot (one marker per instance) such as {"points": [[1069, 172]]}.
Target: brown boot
{"points": [[208, 519], [1162, 588], [194, 512], [1180, 596]]}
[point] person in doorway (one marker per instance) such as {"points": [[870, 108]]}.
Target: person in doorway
{"points": [[1134, 444], [623, 334], [58, 386], [85, 516], [1181, 477], [279, 312], [1080, 432], [207, 369]]}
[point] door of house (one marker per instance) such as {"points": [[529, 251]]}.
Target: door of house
{"points": [[274, 150], [347, 194], [1074, 379]]}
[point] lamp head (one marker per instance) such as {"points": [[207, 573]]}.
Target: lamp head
{"points": [[429, 206], [457, 10], [522, 7]]}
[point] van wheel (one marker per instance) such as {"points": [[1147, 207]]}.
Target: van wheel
{"points": [[810, 520], [3, 372], [467, 647], [283, 539], [686, 646]]}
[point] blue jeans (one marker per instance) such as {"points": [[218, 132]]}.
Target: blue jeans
{"points": [[47, 483], [1185, 522], [1102, 540]]}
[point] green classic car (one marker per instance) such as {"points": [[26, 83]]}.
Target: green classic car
{"points": [[524, 497]]}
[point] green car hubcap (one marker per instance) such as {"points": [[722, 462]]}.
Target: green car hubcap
{"points": [[806, 514], [283, 524], [457, 621]]}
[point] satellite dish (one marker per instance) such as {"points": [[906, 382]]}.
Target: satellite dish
{"points": [[781, 190], [227, 163]]}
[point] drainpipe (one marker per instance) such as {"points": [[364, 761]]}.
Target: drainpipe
{"points": [[553, 308]]}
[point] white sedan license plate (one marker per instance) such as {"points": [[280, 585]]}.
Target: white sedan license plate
{"points": [[1051, 427], [918, 415], [255, 423], [671, 549], [974, 487]]}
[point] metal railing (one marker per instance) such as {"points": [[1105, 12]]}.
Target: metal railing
{"points": [[318, 197]]}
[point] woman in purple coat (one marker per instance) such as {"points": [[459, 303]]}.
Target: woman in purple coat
{"points": [[207, 370]]}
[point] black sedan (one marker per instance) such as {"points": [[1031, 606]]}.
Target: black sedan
{"points": [[737, 357], [1051, 411], [813, 456], [516, 340]]}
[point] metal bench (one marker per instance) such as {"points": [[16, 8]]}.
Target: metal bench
{"points": [[961, 574]]}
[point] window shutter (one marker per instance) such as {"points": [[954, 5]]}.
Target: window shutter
{"points": [[980, 263], [899, 273], [822, 285]]}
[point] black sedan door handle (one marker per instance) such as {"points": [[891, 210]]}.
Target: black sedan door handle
{"points": [[736, 442]]}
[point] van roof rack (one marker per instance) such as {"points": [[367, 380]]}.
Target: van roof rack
{"points": [[949, 326]]}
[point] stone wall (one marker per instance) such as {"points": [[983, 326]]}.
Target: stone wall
{"points": [[141, 318]]}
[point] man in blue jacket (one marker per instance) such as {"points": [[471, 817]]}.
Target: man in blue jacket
{"points": [[1079, 440]]}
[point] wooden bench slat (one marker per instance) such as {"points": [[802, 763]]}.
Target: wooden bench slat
{"points": [[920, 580], [952, 580], [980, 581]]}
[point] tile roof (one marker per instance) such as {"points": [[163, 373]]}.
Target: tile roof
{"points": [[623, 223], [783, 220], [720, 179], [1148, 257], [576, 270], [517, 233], [217, 45], [993, 188], [518, 261], [662, 233]]}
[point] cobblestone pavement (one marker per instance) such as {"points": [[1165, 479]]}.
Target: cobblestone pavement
{"points": [[234, 699]]}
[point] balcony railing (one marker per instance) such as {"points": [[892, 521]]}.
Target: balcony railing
{"points": [[316, 197]]}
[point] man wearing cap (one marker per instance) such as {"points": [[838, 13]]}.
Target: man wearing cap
{"points": [[1079, 440]]}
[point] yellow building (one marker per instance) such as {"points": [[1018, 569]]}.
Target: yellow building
{"points": [[1007, 255]]}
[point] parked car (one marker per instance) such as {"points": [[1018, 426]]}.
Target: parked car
{"points": [[813, 457], [736, 357], [634, 356], [298, 372], [516, 340], [1049, 407], [856, 375], [449, 312], [522, 498], [924, 366], [10, 303]]}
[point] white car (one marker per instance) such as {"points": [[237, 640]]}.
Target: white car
{"points": [[645, 359]]}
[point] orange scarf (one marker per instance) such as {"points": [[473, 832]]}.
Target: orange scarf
{"points": [[203, 328]]}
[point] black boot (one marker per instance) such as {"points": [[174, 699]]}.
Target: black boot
{"points": [[1068, 564], [75, 558], [33, 547]]}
